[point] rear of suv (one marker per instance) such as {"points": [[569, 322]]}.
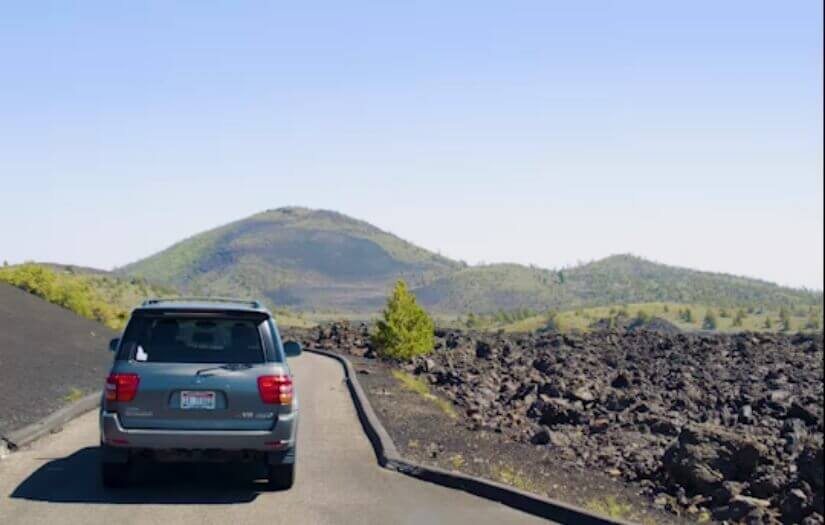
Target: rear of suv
{"points": [[200, 380]]}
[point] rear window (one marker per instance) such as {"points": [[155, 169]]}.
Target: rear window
{"points": [[192, 340]]}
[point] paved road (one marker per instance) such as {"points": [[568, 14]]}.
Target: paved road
{"points": [[338, 480]]}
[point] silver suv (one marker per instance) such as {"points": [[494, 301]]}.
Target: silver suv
{"points": [[200, 380]]}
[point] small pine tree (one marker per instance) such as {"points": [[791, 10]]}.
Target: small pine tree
{"points": [[723, 313], [786, 324], [665, 309], [768, 323], [552, 321], [406, 330], [740, 316], [710, 320]]}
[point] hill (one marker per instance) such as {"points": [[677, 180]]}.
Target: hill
{"points": [[617, 279], [294, 257], [324, 261]]}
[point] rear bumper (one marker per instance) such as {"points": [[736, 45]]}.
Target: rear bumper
{"points": [[278, 439]]}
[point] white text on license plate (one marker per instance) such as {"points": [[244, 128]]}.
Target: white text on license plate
{"points": [[197, 400]]}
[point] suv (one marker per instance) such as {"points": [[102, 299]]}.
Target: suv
{"points": [[200, 380]]}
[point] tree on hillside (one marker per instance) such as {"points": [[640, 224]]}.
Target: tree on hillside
{"points": [[768, 323], [710, 320], [784, 319], [740, 316], [406, 330], [552, 322]]}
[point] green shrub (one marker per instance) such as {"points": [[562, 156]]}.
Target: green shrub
{"points": [[710, 320], [740, 316], [552, 321], [406, 330], [69, 290]]}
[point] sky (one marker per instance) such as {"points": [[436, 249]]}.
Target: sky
{"points": [[538, 132]]}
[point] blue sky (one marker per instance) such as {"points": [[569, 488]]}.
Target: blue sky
{"points": [[536, 132]]}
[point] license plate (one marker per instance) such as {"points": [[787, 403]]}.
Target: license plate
{"points": [[197, 400]]}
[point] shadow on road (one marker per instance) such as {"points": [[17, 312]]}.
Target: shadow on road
{"points": [[75, 479]]}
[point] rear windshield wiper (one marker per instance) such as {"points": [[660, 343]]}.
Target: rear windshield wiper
{"points": [[231, 367]]}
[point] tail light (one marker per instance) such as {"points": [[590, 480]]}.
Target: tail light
{"points": [[121, 387], [275, 390]]}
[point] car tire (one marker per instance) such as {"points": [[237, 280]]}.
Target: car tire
{"points": [[114, 475], [281, 477]]}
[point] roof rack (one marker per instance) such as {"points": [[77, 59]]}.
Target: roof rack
{"points": [[252, 303]]}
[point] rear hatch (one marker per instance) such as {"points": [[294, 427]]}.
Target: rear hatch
{"points": [[196, 371]]}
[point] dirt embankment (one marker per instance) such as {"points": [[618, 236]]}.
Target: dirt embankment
{"points": [[730, 425], [48, 357]]}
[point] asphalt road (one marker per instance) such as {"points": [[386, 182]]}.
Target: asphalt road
{"points": [[56, 480]]}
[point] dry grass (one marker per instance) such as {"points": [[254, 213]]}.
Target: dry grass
{"points": [[510, 476], [609, 506], [73, 395], [457, 461], [418, 386], [581, 318]]}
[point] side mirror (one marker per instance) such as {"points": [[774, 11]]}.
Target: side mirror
{"points": [[292, 349], [113, 344]]}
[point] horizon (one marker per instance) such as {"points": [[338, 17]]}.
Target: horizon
{"points": [[577, 264], [541, 135]]}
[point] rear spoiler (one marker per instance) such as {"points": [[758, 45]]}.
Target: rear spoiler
{"points": [[201, 312], [251, 302]]}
